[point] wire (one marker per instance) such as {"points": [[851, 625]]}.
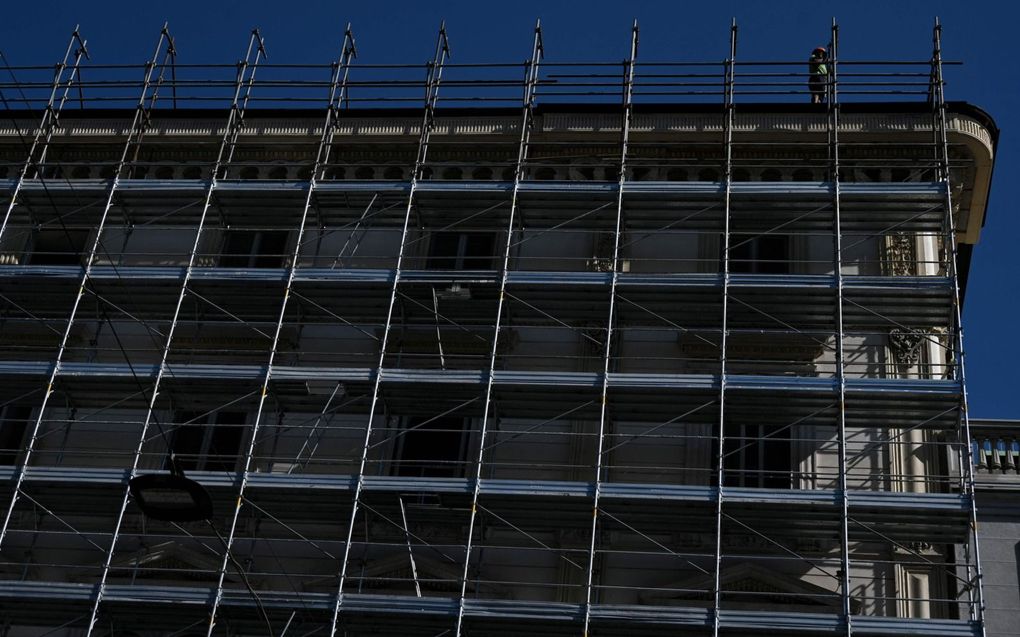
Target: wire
{"points": [[244, 577]]}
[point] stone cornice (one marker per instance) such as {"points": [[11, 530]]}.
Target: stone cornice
{"points": [[908, 127], [653, 123]]}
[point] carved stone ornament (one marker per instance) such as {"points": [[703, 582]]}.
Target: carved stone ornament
{"points": [[905, 345], [602, 261], [901, 254]]}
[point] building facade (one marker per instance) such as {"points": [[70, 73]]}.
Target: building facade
{"points": [[996, 447], [558, 348]]}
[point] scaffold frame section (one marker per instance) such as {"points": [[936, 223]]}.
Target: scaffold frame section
{"points": [[297, 338]]}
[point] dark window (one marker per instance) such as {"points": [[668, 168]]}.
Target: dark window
{"points": [[757, 456], [640, 173], [81, 172], [164, 172], [393, 172], [364, 172], [803, 174], [741, 174], [432, 447], [53, 172], [58, 246], [453, 173], [253, 249], [545, 173], [13, 424], [761, 254], [483, 173], [192, 172], [900, 174], [771, 174], [250, 172], [208, 442], [676, 174], [873, 174], [708, 174], [278, 173], [462, 251]]}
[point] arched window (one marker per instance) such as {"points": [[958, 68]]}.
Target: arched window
{"points": [[453, 172], [900, 174], [640, 173], [741, 174], [164, 172], [393, 172], [192, 172], [304, 173], [364, 172], [676, 174], [482, 173], [803, 174], [545, 173], [771, 174], [278, 172], [708, 174], [79, 172], [249, 172]]}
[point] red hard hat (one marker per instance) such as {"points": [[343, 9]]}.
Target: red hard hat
{"points": [[819, 48]]}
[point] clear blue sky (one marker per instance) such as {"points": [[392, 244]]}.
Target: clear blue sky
{"points": [[976, 32]]}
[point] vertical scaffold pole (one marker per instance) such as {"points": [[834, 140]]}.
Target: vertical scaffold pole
{"points": [[724, 331], [50, 119], [972, 556], [531, 71], [242, 90], [138, 124], [433, 79], [607, 354], [837, 227], [337, 94]]}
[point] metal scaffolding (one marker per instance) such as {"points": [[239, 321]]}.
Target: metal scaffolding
{"points": [[574, 348]]}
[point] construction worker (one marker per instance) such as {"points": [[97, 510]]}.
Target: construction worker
{"points": [[818, 72]]}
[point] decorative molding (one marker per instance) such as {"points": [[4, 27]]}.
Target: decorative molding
{"points": [[905, 345], [900, 254], [749, 586], [865, 123]]}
